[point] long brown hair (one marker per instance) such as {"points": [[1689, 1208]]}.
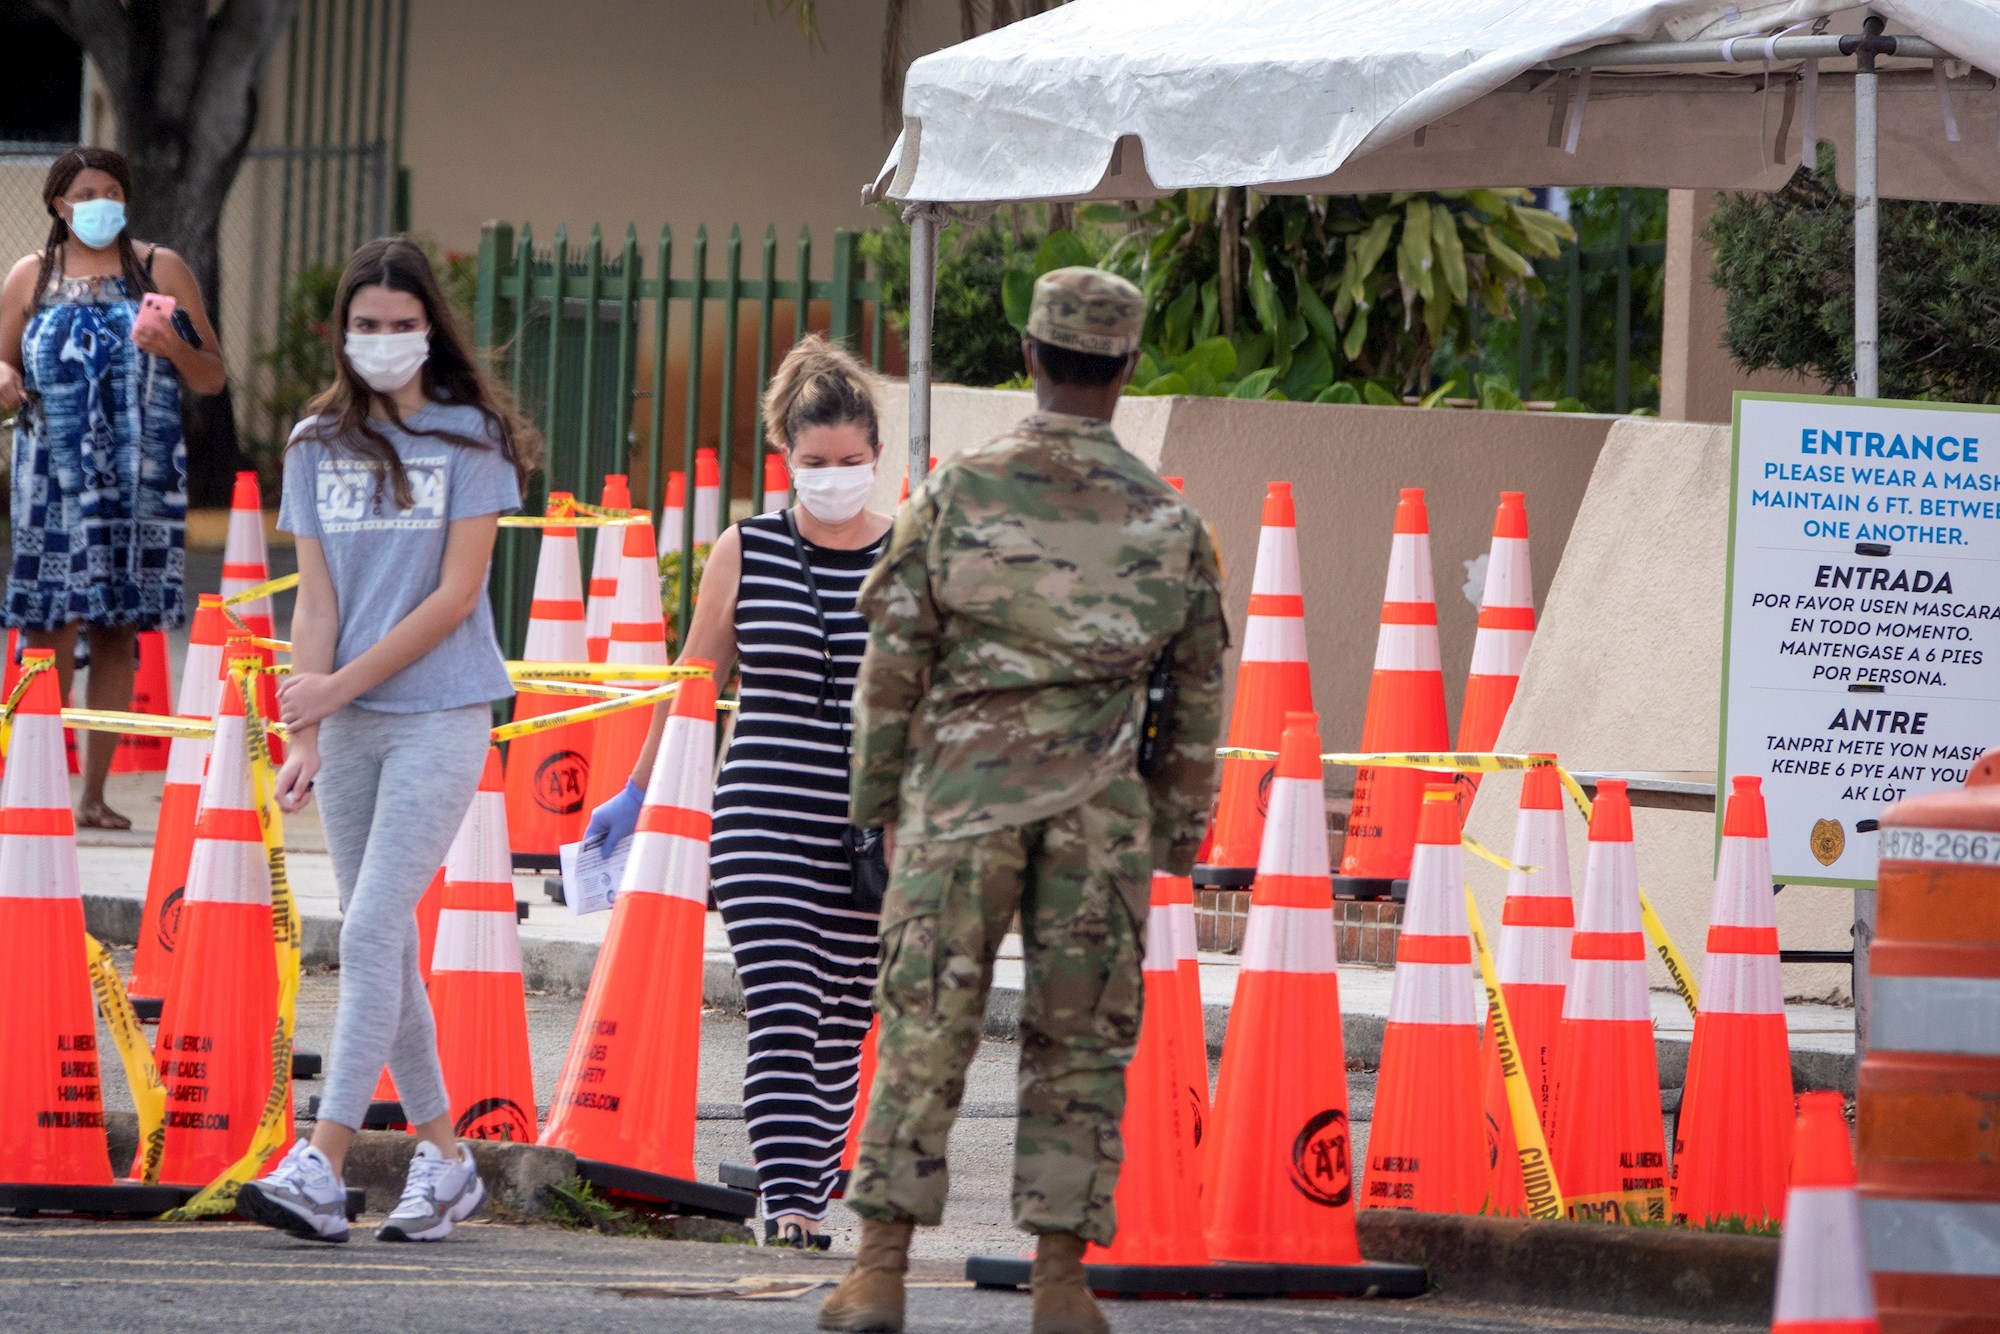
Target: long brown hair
{"points": [[340, 415], [62, 174]]}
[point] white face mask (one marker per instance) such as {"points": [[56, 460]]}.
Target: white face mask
{"points": [[387, 362], [835, 495]]}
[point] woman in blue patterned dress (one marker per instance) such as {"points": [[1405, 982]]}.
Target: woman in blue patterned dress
{"points": [[100, 469]]}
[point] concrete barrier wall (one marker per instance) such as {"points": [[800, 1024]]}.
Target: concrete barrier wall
{"points": [[1346, 465]]}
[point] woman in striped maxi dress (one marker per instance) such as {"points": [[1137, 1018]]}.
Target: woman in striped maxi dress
{"points": [[805, 954]]}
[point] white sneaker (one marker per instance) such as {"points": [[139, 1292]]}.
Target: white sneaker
{"points": [[439, 1193], [301, 1195]]}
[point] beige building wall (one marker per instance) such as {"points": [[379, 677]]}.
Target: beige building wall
{"points": [[672, 111], [1346, 465]]}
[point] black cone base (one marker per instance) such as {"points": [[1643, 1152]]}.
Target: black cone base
{"points": [[1364, 887], [699, 1198], [536, 861], [379, 1116], [147, 1008], [520, 910], [1222, 1279], [306, 1064], [552, 887], [740, 1176], [120, 1200], [1224, 877]]}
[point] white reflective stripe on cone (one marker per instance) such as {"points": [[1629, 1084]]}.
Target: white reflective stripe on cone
{"points": [[1160, 956], [705, 500], [1288, 940], [1539, 841], [686, 785], [1436, 904], [670, 530], [1277, 562], [39, 866], [1500, 652], [1743, 984], [1295, 831], [1407, 648], [1607, 989], [37, 765], [667, 864], [200, 672], [1274, 639], [1929, 1236], [478, 853], [1435, 993], [228, 871], [1743, 894], [476, 942], [1538, 955], [1954, 1015], [1181, 918], [1610, 898], [187, 760], [558, 577], [1819, 1275], [1409, 569], [1509, 582]]}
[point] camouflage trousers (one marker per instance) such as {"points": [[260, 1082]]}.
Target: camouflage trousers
{"points": [[1080, 880]]}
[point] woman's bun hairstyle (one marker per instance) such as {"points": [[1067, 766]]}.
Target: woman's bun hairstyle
{"points": [[819, 383]]}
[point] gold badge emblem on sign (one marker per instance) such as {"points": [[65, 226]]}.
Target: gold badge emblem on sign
{"points": [[1828, 841]]}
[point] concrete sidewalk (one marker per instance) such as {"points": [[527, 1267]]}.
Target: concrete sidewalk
{"points": [[559, 950]]}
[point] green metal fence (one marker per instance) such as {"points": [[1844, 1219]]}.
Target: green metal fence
{"points": [[1563, 278], [566, 325]]}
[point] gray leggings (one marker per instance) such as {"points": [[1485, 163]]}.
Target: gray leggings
{"points": [[393, 789]]}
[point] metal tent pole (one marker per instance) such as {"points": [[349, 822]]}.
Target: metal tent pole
{"points": [[923, 220]]}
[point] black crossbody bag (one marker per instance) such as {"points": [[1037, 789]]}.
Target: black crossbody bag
{"points": [[867, 851]]}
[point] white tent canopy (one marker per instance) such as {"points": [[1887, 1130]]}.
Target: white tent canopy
{"points": [[1125, 99], [1122, 99]]}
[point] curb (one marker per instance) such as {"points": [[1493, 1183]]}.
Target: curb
{"points": [[1699, 1277], [563, 967]]}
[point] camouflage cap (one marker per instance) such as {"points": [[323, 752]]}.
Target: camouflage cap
{"points": [[1087, 310]]}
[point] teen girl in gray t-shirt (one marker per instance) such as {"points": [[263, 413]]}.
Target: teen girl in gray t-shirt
{"points": [[394, 487]]}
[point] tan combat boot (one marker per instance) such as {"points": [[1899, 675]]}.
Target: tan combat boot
{"points": [[871, 1296], [1063, 1304]]}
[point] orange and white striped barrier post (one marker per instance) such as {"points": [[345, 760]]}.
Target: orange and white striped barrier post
{"points": [[1506, 631], [1823, 1283], [606, 552], [548, 773], [638, 638]]}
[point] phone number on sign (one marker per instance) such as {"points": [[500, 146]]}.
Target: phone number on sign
{"points": [[1958, 846]]}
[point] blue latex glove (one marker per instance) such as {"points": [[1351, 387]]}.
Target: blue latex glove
{"points": [[613, 822]]}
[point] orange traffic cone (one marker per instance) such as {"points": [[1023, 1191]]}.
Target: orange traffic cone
{"points": [[13, 678], [777, 484], [1532, 965], [1824, 1286], [1278, 1173], [607, 550], [1506, 629], [1158, 1199], [1405, 713], [180, 799], [1272, 682], [152, 692], [1427, 1149], [1733, 1142], [638, 638], [214, 1046], [1193, 1025], [672, 510], [51, 1099], [903, 494], [1606, 1137], [625, 1103], [548, 773], [475, 983], [246, 564], [851, 1153], [707, 498]]}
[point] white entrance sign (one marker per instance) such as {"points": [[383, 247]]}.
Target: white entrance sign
{"points": [[1861, 637]]}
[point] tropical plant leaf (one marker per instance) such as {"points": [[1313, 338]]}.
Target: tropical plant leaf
{"points": [[1373, 245], [1172, 383], [1147, 369], [1210, 318], [1216, 356], [1357, 335], [1497, 395], [1416, 244], [1264, 293], [1439, 394], [1315, 313], [1449, 248], [1061, 250], [1255, 385], [1017, 293], [1340, 391], [1311, 369], [1372, 392], [1180, 321], [1252, 351]]}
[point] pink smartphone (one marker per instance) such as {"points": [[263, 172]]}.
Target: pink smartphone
{"points": [[156, 308]]}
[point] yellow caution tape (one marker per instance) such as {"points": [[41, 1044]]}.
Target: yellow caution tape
{"points": [[269, 588], [1538, 1171], [274, 645], [584, 713], [598, 511], [29, 672], [1663, 942], [573, 689], [142, 1071], [1478, 849], [600, 671], [219, 1195], [573, 520], [137, 724]]}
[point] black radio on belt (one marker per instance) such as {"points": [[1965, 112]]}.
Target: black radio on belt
{"points": [[1158, 717]]}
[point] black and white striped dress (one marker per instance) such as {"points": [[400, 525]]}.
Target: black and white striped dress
{"points": [[807, 958]]}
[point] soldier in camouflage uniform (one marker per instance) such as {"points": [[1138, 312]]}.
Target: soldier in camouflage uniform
{"points": [[1029, 588]]}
